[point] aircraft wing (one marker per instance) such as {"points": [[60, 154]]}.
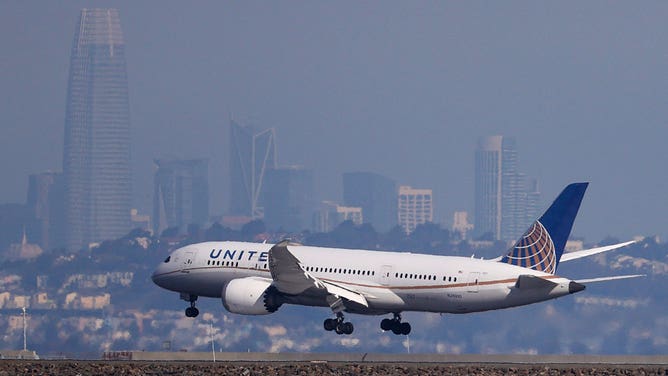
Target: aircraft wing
{"points": [[290, 278], [592, 251]]}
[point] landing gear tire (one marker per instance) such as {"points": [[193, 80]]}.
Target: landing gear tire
{"points": [[344, 328], [329, 324], [386, 324], [347, 328], [395, 325], [338, 325], [405, 328], [192, 312]]}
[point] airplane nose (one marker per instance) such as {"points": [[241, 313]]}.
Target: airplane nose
{"points": [[158, 275]]}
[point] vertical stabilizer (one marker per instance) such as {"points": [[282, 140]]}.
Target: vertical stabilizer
{"points": [[542, 245]]}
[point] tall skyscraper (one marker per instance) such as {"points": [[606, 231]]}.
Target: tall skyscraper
{"points": [[181, 193], [289, 199], [252, 154], [375, 194], [415, 207], [501, 198], [96, 160]]}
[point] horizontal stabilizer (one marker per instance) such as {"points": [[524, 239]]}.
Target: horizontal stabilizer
{"points": [[527, 281], [614, 278], [593, 251]]}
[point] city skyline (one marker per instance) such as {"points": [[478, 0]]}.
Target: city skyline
{"points": [[583, 106]]}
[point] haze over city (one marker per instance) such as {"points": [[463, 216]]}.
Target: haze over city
{"points": [[402, 89]]}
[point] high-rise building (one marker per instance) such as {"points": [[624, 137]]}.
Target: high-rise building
{"points": [[181, 193], [532, 203], [289, 199], [96, 158], [46, 202], [252, 154], [501, 198], [461, 225], [332, 214], [375, 194], [415, 207]]}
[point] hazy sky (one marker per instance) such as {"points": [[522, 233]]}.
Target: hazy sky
{"points": [[396, 87]]}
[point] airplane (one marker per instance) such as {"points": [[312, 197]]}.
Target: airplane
{"points": [[258, 278]]}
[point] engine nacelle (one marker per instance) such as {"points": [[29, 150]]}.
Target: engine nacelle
{"points": [[250, 296]]}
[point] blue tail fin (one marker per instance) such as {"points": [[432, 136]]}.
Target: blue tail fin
{"points": [[542, 245]]}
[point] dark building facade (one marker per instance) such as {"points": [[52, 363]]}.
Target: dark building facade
{"points": [[252, 154], [181, 193], [289, 199], [46, 202], [16, 220], [375, 194], [96, 159]]}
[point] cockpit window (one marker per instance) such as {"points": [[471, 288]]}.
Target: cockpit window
{"points": [[168, 258]]}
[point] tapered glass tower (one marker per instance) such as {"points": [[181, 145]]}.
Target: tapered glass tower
{"points": [[96, 157]]}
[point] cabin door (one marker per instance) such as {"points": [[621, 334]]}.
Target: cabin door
{"points": [[385, 273]]}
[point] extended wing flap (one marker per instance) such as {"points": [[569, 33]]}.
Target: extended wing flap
{"points": [[593, 251], [345, 293], [527, 281]]}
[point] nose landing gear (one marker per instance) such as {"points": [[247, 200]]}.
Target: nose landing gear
{"points": [[191, 311], [395, 325]]}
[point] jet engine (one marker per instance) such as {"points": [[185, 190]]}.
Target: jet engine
{"points": [[251, 296]]}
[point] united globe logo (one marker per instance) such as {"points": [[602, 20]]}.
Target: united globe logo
{"points": [[535, 250]]}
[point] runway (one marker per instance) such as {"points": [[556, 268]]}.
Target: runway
{"points": [[361, 358]]}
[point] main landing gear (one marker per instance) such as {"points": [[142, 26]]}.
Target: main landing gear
{"points": [[338, 325], [191, 311], [395, 325]]}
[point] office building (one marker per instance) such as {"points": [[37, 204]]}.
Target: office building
{"points": [[332, 214], [252, 154], [415, 207], [375, 194], [461, 225], [289, 199], [504, 208], [180, 194], [46, 196], [96, 158]]}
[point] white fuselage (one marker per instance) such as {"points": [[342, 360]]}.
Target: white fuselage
{"points": [[390, 281]]}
